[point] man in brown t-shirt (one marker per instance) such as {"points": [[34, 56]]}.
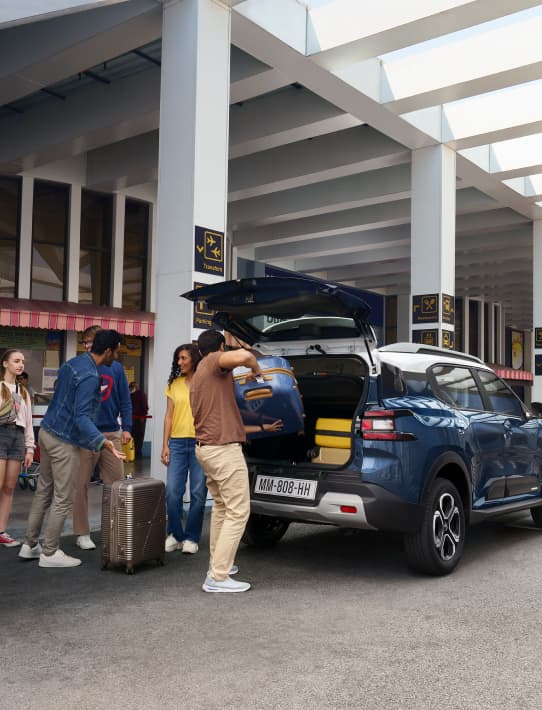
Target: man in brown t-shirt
{"points": [[219, 434]]}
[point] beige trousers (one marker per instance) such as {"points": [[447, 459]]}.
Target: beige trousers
{"points": [[59, 464], [111, 469], [226, 474]]}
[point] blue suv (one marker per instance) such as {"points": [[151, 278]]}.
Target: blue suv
{"points": [[405, 437]]}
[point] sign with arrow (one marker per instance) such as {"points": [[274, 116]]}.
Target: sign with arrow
{"points": [[209, 251]]}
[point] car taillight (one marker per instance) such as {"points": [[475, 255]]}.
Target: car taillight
{"points": [[380, 424]]}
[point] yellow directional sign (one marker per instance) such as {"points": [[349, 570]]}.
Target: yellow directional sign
{"points": [[209, 251]]}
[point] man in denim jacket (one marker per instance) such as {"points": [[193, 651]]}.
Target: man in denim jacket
{"points": [[68, 425]]}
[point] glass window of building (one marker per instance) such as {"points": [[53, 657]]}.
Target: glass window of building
{"points": [[136, 245], [95, 254], [49, 240], [43, 352], [10, 207]]}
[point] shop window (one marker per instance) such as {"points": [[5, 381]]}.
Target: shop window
{"points": [[136, 246], [49, 240], [10, 208], [458, 327], [474, 324], [95, 253], [43, 352]]}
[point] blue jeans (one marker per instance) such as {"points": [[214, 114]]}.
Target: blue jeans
{"points": [[183, 463]]}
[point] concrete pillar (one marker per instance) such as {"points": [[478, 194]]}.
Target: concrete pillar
{"points": [[433, 246], [536, 394], [117, 271], [74, 244], [25, 243], [192, 177]]}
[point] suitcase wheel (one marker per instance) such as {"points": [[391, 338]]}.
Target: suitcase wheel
{"points": [[129, 570], [105, 565], [160, 562]]}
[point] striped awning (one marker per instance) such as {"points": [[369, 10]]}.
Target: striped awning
{"points": [[52, 315], [509, 373]]}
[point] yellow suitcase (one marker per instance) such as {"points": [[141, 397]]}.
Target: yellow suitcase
{"points": [[333, 433]]}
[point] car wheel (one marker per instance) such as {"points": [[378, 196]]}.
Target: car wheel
{"points": [[264, 531], [536, 514], [437, 546]]}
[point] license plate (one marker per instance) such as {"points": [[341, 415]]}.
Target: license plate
{"points": [[287, 487]]}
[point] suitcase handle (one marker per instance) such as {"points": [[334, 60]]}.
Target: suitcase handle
{"points": [[258, 393]]}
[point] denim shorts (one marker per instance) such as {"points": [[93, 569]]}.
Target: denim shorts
{"points": [[12, 442]]}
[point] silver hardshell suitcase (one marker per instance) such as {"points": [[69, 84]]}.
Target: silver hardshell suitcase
{"points": [[133, 522]]}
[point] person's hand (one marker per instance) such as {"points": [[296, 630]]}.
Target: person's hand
{"points": [[125, 438], [165, 456], [274, 426], [28, 458], [117, 454], [252, 376]]}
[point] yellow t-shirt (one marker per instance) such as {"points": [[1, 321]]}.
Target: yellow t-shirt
{"points": [[182, 426]]}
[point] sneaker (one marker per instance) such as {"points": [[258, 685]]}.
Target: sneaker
{"points": [[8, 541], [234, 569], [58, 559], [225, 585], [189, 547], [85, 542], [30, 553], [172, 544]]}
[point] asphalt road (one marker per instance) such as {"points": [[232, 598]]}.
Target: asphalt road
{"points": [[334, 620]]}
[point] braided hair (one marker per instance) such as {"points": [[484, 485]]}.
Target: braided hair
{"points": [[4, 389], [194, 354]]}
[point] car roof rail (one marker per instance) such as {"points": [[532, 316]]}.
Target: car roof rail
{"points": [[428, 350]]}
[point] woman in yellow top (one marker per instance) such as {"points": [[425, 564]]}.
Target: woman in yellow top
{"points": [[179, 455]]}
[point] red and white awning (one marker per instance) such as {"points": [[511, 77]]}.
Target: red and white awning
{"points": [[51, 315]]}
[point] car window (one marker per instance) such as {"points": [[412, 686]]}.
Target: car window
{"points": [[418, 384], [458, 386], [499, 395]]}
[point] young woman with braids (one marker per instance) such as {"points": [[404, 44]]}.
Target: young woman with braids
{"points": [[16, 435], [179, 455]]}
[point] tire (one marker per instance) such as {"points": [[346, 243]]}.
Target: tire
{"points": [[264, 531], [536, 515], [437, 546]]}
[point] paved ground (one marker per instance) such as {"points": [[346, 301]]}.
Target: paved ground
{"points": [[333, 621]]}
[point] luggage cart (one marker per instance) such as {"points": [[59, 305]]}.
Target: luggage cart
{"points": [[28, 477]]}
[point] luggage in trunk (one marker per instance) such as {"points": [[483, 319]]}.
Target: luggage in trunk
{"points": [[276, 396], [133, 522]]}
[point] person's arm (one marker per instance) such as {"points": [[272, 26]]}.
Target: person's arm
{"points": [[84, 396], [29, 441], [168, 419], [239, 358], [253, 428]]}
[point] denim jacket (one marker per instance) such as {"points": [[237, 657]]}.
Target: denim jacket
{"points": [[74, 406]]}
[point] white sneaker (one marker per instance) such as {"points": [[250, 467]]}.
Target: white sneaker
{"points": [[30, 553], [172, 544], [85, 542], [58, 559], [190, 547], [225, 585]]}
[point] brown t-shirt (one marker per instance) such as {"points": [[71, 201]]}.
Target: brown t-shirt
{"points": [[212, 397]]}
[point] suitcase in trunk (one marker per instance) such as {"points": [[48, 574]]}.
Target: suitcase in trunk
{"points": [[133, 522], [276, 396]]}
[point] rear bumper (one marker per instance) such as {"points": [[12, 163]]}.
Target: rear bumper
{"points": [[375, 509]]}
